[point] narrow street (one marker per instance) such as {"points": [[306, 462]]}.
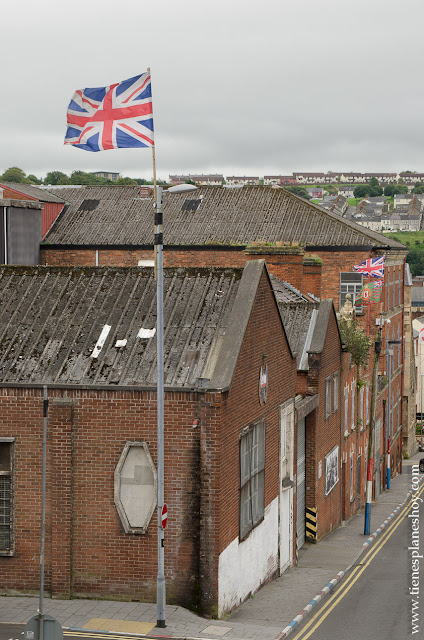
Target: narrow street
{"points": [[374, 600]]}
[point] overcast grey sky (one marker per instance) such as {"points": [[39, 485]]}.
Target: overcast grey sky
{"points": [[239, 86]]}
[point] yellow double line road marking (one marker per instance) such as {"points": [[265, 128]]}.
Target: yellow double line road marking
{"points": [[99, 634], [354, 575]]}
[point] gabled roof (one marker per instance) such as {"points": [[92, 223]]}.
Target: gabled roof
{"points": [[297, 312], [54, 320], [116, 215], [31, 191]]}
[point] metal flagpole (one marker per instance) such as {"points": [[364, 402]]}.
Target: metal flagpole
{"points": [[158, 245]]}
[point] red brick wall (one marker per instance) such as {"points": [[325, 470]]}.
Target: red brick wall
{"points": [[263, 345], [87, 433], [323, 434]]}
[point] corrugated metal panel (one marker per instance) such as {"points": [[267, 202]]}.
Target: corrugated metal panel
{"points": [[52, 319], [225, 216], [51, 210]]}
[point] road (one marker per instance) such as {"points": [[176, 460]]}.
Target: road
{"points": [[374, 601], [16, 632]]}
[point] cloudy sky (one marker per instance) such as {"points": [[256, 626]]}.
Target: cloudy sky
{"points": [[240, 87]]}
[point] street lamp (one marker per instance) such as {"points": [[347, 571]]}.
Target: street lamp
{"points": [[160, 582]]}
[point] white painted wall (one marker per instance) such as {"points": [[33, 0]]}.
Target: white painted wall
{"points": [[244, 566]]}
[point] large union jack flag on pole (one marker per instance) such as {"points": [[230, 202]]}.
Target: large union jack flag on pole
{"points": [[114, 117], [373, 267]]}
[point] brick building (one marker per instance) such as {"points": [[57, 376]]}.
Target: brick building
{"points": [[230, 384], [51, 204], [330, 432], [313, 249]]}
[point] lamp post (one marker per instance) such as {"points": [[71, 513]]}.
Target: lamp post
{"points": [[158, 241]]}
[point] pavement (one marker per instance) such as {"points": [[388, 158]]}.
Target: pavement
{"points": [[271, 614]]}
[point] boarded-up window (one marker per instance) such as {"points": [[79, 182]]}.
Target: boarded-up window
{"points": [[135, 487], [346, 409], [335, 391], [252, 477], [327, 397]]}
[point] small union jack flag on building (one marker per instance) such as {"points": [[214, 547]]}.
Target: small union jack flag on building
{"points": [[373, 267], [114, 117]]}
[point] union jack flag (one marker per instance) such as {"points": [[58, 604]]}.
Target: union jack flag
{"points": [[373, 267], [114, 117]]}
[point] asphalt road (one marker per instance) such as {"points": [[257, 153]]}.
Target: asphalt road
{"points": [[373, 601], [16, 632]]}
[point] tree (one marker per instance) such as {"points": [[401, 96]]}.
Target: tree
{"points": [[389, 190], [13, 174], [56, 177], [33, 179], [189, 181], [299, 191], [355, 340], [360, 191], [419, 188], [126, 181]]}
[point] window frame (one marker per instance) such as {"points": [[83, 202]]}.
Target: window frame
{"points": [[10, 549], [327, 407], [346, 410], [335, 391], [351, 282], [254, 477]]}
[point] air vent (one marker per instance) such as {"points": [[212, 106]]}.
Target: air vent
{"points": [[88, 205], [191, 204]]}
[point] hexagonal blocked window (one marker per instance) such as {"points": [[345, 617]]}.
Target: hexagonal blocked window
{"points": [[135, 487]]}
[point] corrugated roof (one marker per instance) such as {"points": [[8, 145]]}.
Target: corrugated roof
{"points": [[296, 312], [115, 215], [32, 191], [53, 317]]}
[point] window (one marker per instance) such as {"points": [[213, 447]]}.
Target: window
{"points": [[387, 278], [346, 409], [394, 287], [135, 487], [351, 476], [350, 283], [6, 495], [335, 391], [361, 407], [327, 397], [353, 393], [367, 405], [252, 476]]}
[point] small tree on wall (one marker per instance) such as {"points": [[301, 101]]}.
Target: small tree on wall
{"points": [[355, 340]]}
